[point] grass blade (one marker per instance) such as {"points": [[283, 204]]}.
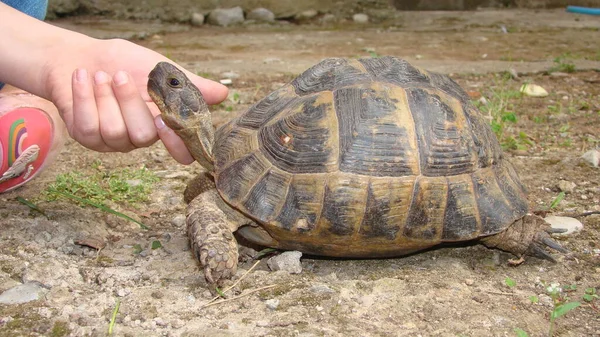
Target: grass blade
{"points": [[100, 207], [32, 206], [113, 317], [557, 200]]}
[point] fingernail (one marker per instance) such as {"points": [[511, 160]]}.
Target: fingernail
{"points": [[120, 78], [159, 123], [81, 75], [101, 78]]}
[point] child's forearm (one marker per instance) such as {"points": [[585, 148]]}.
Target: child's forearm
{"points": [[28, 46]]}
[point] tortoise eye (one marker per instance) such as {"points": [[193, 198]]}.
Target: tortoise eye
{"points": [[173, 82]]}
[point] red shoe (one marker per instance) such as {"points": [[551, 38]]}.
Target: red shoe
{"points": [[28, 138]]}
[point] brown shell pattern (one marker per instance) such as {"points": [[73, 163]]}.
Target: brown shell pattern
{"points": [[370, 157]]}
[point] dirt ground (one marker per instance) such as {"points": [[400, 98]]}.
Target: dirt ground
{"points": [[450, 291]]}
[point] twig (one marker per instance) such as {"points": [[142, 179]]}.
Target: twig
{"points": [[500, 293], [239, 296], [235, 284], [584, 214]]}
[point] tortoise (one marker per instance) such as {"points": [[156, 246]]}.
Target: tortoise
{"points": [[354, 158]]}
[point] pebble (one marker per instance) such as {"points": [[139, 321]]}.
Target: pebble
{"points": [[272, 303], [178, 220], [592, 157], [566, 186], [261, 14], [533, 90], [321, 289], [306, 15], [328, 18], [197, 19], [226, 16], [572, 225], [23, 293], [360, 18], [271, 60], [286, 261], [177, 323], [230, 74], [469, 282], [122, 292]]}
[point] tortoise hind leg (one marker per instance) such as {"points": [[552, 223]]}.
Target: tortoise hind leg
{"points": [[529, 235], [210, 230]]}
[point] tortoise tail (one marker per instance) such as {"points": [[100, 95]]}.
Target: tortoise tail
{"points": [[529, 235]]}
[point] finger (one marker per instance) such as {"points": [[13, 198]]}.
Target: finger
{"points": [[112, 126], [173, 143], [82, 122], [213, 92], [136, 115]]}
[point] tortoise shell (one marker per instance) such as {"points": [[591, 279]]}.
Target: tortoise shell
{"points": [[367, 158]]}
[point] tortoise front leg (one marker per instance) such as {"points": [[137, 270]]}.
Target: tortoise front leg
{"points": [[210, 232]]}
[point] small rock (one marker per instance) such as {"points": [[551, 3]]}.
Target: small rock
{"points": [[157, 294], [271, 60], [592, 157], [160, 322], [122, 292], [261, 15], [178, 220], [226, 16], [360, 18], [328, 18], [469, 282], [286, 261], [566, 186], [533, 90], [306, 15], [272, 304], [177, 323], [230, 74], [572, 225], [262, 324], [23, 293], [226, 81], [197, 19], [321, 289]]}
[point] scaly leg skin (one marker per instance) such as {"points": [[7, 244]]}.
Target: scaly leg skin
{"points": [[210, 232], [529, 235], [199, 184]]}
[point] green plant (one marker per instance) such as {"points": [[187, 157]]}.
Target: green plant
{"points": [[590, 295], [500, 108], [520, 332], [557, 200], [510, 282], [560, 301], [123, 185], [101, 187], [563, 63]]}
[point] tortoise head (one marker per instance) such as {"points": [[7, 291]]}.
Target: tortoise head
{"points": [[184, 110]]}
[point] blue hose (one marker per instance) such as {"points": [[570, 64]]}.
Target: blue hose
{"points": [[583, 10]]}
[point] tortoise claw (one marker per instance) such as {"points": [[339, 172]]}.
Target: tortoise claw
{"points": [[554, 245], [551, 230], [539, 252]]}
